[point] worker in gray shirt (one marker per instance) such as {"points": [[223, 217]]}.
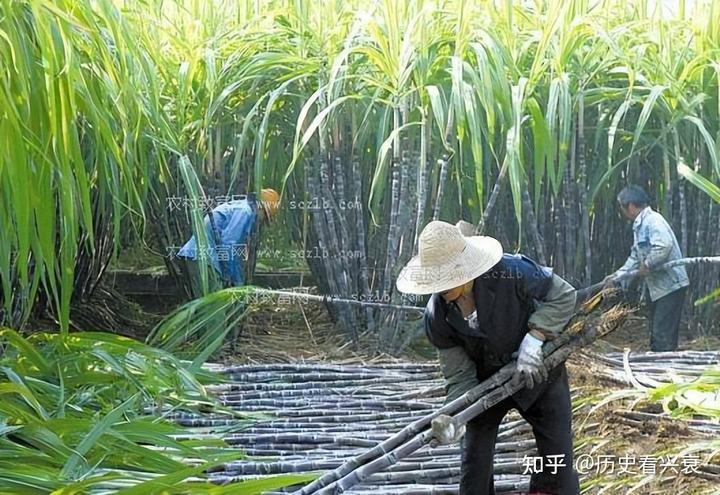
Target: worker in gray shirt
{"points": [[487, 307], [654, 244]]}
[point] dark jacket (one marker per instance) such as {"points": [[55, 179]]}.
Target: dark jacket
{"points": [[505, 298]]}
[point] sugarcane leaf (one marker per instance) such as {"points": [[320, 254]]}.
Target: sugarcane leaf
{"points": [[27, 395], [648, 106], [381, 166], [27, 350], [73, 463], [712, 296], [260, 140], [565, 115], [699, 181], [475, 135], [541, 138], [513, 155], [439, 109], [259, 486], [614, 124], [712, 148], [317, 121]]}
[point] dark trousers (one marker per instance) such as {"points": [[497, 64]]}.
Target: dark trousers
{"points": [[664, 321], [551, 419]]}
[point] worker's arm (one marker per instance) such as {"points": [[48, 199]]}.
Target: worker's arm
{"points": [[554, 303], [554, 310], [553, 299], [458, 370], [632, 263], [661, 244]]}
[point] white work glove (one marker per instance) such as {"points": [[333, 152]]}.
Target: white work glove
{"points": [[445, 432], [530, 366]]}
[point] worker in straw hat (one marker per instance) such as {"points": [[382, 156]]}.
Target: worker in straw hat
{"points": [[486, 308], [229, 234]]}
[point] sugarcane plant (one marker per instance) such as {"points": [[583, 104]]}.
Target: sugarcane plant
{"points": [[524, 119], [90, 414]]}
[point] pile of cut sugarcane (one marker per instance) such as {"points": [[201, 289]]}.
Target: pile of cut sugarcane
{"points": [[364, 428], [367, 426], [318, 415]]}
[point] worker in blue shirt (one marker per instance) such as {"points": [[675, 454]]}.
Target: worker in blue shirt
{"points": [[228, 234]]}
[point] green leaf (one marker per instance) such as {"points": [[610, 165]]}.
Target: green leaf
{"points": [[72, 465], [699, 181]]}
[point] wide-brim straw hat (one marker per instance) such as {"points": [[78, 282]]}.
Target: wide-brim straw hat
{"points": [[447, 259]]}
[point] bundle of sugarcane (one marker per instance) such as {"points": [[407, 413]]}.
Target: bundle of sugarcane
{"points": [[652, 369], [347, 408], [583, 328]]}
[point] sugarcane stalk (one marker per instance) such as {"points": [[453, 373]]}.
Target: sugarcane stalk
{"points": [[331, 299], [560, 218], [667, 200], [405, 212], [683, 217], [364, 282], [422, 179], [510, 383], [532, 225], [569, 199], [302, 368], [311, 386], [681, 192], [449, 134], [305, 431], [345, 241], [515, 484], [340, 272], [582, 190], [314, 376], [395, 326], [392, 236], [699, 218], [492, 201], [442, 163], [326, 281]]}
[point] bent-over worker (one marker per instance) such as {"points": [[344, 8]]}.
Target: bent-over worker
{"points": [[228, 234], [486, 306]]}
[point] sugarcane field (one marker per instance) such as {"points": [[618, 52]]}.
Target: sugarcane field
{"points": [[395, 247]]}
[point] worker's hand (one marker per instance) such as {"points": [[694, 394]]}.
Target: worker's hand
{"points": [[644, 270], [445, 432], [530, 365]]}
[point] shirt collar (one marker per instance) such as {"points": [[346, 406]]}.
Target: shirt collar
{"points": [[641, 216]]}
